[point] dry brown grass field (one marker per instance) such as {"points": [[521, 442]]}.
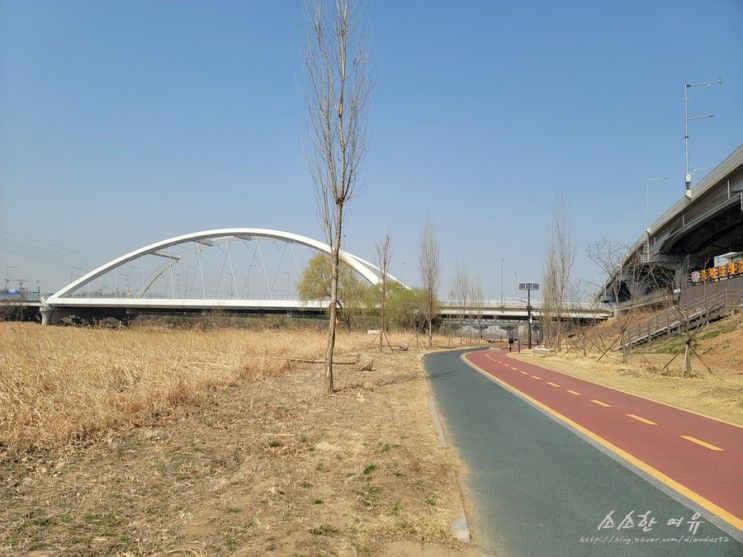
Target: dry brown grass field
{"points": [[183, 442], [65, 384], [715, 387]]}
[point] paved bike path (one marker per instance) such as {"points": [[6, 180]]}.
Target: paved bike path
{"points": [[538, 488], [700, 457]]}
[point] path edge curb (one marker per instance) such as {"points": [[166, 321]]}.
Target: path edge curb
{"points": [[459, 527]]}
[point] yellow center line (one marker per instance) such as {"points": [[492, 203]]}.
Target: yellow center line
{"points": [[535, 377], [600, 403], [641, 419], [574, 392], [553, 384], [704, 444]]}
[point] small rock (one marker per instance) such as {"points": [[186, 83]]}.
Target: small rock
{"points": [[366, 364]]}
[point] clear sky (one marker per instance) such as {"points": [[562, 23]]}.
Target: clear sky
{"points": [[123, 123]]}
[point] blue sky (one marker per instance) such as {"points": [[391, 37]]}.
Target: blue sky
{"points": [[122, 123]]}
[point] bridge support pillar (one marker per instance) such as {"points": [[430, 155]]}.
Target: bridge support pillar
{"points": [[50, 315], [47, 314]]}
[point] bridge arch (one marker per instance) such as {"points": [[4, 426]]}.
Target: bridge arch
{"points": [[370, 272]]}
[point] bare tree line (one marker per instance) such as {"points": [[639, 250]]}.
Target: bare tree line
{"points": [[467, 291], [429, 265]]}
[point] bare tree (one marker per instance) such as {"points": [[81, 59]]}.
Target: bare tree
{"points": [[461, 291], [338, 86], [608, 256], [476, 299], [384, 254], [634, 275], [428, 263], [560, 256]]}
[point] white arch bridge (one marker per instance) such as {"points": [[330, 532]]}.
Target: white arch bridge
{"points": [[233, 269], [202, 271]]}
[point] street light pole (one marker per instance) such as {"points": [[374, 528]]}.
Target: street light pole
{"points": [[695, 170], [687, 97], [647, 198], [528, 312], [528, 286]]}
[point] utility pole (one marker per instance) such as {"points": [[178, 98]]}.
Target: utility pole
{"points": [[687, 119]]}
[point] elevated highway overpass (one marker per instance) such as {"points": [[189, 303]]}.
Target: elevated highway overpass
{"points": [[701, 225], [516, 310]]}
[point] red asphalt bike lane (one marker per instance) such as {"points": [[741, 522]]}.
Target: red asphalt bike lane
{"points": [[702, 454]]}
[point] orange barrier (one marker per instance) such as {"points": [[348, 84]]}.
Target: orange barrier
{"points": [[732, 269]]}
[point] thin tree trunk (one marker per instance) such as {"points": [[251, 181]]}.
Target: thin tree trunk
{"points": [[430, 325], [334, 261], [381, 325], [686, 370]]}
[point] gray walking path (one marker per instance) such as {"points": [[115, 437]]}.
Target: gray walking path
{"points": [[537, 488]]}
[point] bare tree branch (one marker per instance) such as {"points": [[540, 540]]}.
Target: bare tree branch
{"points": [[560, 256], [384, 255], [428, 263], [461, 290], [338, 87]]}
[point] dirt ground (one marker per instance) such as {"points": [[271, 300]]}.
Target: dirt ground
{"points": [[263, 465], [714, 388]]}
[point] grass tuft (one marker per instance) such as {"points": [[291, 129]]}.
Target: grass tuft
{"points": [[323, 530]]}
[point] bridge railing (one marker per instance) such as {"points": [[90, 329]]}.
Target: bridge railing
{"points": [[519, 303]]}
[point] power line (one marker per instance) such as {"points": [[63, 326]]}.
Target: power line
{"points": [[46, 257], [3, 231]]}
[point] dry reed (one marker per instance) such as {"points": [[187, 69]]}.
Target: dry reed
{"points": [[60, 385]]}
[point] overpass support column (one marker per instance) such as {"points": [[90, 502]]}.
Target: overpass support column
{"points": [[47, 314]]}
